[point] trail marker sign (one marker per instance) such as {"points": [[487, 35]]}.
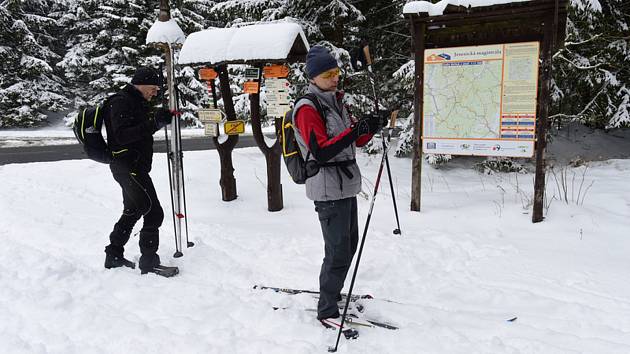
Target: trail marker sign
{"points": [[250, 87], [210, 115], [211, 129], [278, 99], [234, 127], [252, 73], [207, 74], [275, 71]]}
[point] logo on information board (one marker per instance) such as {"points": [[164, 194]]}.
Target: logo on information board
{"points": [[438, 57]]}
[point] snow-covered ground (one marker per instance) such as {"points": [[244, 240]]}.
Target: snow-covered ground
{"points": [[464, 265]]}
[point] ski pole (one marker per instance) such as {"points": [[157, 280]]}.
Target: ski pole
{"points": [[368, 60], [356, 266], [389, 174], [170, 183], [181, 149]]}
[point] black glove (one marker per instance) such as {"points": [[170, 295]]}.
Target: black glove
{"points": [[379, 120], [163, 117], [361, 127]]}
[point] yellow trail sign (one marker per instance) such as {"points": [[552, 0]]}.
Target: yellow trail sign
{"points": [[234, 127]]}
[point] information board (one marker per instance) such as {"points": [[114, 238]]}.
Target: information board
{"points": [[481, 100]]}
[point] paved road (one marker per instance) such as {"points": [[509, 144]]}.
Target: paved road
{"points": [[72, 152]]}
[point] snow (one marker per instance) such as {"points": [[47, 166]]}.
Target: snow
{"points": [[271, 41], [437, 9], [593, 5], [165, 32], [464, 265]]}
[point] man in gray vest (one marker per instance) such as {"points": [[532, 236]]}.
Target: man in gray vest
{"points": [[330, 140]]}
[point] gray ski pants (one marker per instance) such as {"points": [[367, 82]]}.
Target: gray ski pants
{"points": [[339, 222]]}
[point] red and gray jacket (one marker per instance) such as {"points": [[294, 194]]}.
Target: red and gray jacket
{"points": [[331, 141]]}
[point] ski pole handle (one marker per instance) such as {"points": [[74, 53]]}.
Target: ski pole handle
{"points": [[366, 52], [392, 119]]}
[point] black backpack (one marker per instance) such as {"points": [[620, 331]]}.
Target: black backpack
{"points": [[87, 129], [300, 168]]}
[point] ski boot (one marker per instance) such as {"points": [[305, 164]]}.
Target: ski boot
{"points": [[112, 261]]}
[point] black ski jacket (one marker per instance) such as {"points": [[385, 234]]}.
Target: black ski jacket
{"points": [[130, 127]]}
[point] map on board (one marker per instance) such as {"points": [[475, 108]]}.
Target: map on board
{"points": [[480, 100]]}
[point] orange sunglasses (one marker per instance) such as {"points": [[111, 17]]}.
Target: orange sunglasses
{"points": [[330, 73]]}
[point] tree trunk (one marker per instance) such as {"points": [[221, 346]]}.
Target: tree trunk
{"points": [[227, 181], [272, 157]]}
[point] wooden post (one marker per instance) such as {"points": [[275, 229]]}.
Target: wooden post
{"points": [[272, 154], [541, 125], [418, 31], [227, 181], [165, 11]]}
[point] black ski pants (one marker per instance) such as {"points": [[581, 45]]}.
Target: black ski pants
{"points": [[139, 200], [338, 219]]}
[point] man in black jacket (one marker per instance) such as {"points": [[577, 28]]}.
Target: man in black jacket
{"points": [[130, 127]]}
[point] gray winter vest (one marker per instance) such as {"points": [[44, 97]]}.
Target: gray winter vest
{"points": [[331, 183]]}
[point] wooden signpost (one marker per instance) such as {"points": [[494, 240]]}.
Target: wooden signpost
{"points": [[271, 56]]}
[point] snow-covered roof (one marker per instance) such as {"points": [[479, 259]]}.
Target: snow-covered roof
{"points": [[273, 42], [165, 32], [415, 7]]}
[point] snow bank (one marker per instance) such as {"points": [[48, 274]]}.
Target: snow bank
{"points": [[257, 42], [165, 32], [437, 9]]}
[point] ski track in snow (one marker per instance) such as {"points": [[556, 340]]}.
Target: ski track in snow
{"points": [[464, 265]]}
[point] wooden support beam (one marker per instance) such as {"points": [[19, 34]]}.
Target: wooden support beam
{"points": [[544, 100], [418, 35]]}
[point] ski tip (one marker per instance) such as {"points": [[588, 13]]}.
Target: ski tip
{"points": [[513, 319], [178, 254]]}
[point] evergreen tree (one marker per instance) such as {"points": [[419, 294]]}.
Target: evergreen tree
{"points": [[29, 85], [592, 72], [106, 43]]}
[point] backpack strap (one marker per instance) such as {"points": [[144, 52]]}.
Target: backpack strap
{"points": [[318, 106], [104, 107]]}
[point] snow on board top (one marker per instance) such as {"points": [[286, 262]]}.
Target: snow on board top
{"points": [[437, 9], [271, 41], [165, 32]]}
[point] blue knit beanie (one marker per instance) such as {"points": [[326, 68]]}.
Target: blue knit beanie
{"points": [[319, 60]]}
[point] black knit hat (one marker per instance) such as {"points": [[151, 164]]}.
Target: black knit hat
{"points": [[146, 76], [319, 60]]}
